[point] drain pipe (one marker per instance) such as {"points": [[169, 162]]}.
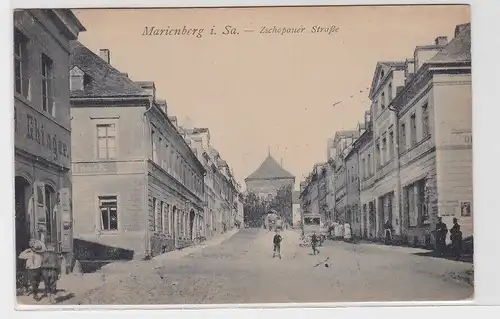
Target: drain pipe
{"points": [[398, 169], [146, 189]]}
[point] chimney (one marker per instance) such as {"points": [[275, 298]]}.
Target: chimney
{"points": [[441, 40], [148, 86], [459, 28], [124, 74], [281, 161], [104, 54]]}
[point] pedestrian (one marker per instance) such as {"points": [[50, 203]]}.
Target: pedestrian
{"points": [[314, 243], [51, 271], [33, 271], [277, 245], [456, 239], [388, 232], [441, 232]]}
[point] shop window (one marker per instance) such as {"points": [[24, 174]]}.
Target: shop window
{"points": [[108, 206]]}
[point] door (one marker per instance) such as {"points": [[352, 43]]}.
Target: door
{"points": [[21, 217]]}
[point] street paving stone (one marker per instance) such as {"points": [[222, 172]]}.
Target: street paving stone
{"points": [[242, 270]]}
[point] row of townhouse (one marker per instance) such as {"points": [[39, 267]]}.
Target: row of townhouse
{"points": [[143, 185], [410, 162], [101, 170]]}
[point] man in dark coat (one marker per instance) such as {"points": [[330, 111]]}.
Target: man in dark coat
{"points": [[456, 239], [441, 232]]}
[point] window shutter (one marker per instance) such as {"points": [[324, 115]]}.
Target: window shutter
{"points": [[39, 210], [65, 219]]}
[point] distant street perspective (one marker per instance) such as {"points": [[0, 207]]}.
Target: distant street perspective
{"points": [[325, 163], [242, 270]]}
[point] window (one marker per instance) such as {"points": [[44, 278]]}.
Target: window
{"points": [[413, 129], [389, 93], [158, 216], [106, 143], [375, 108], [415, 203], [153, 216], [425, 120], [47, 85], [154, 147], [108, 205], [363, 173], [369, 164], [160, 158], [382, 101], [402, 140], [77, 79], [391, 145], [377, 155], [21, 75], [384, 150], [165, 160]]}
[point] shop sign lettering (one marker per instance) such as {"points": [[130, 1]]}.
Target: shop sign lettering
{"points": [[35, 131]]}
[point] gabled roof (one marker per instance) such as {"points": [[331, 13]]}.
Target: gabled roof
{"points": [[103, 79], [270, 169], [385, 67], [457, 50]]}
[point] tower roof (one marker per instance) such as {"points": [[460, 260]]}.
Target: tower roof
{"points": [[270, 169]]}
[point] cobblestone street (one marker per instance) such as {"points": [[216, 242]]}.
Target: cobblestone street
{"points": [[242, 270]]}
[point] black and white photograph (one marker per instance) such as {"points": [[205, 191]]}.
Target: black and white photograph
{"points": [[242, 155]]}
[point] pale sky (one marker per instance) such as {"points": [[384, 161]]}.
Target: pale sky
{"points": [[255, 91]]}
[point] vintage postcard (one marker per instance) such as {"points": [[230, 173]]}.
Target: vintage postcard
{"points": [[243, 155]]}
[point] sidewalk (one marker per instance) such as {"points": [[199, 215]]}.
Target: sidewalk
{"points": [[75, 284], [176, 254]]}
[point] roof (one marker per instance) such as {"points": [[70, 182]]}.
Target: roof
{"points": [[340, 134], [386, 67], [458, 49], [101, 79], [270, 169], [295, 197]]}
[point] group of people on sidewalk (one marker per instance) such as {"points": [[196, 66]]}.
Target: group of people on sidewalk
{"points": [[455, 237], [440, 236]]}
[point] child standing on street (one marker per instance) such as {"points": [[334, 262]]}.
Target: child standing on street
{"points": [[277, 244], [314, 243], [33, 257]]}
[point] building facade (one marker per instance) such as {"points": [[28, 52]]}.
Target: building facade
{"points": [[435, 142], [138, 185], [42, 129], [343, 143], [411, 160], [268, 178]]}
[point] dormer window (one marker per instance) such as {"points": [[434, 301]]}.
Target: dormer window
{"points": [[77, 79], [382, 73]]}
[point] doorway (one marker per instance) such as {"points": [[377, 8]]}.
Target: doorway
{"points": [[50, 216], [191, 224], [22, 187]]}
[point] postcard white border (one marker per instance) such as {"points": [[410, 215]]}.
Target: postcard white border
{"points": [[486, 94]]}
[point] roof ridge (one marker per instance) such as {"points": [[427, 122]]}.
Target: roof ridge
{"points": [[270, 169]]}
